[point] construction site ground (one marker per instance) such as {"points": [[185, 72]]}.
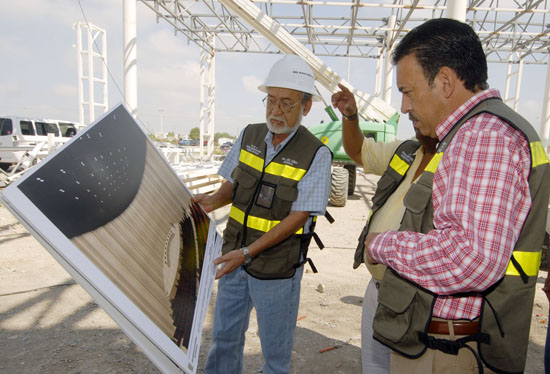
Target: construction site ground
{"points": [[49, 324]]}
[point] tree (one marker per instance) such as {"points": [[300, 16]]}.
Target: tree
{"points": [[222, 135], [195, 133]]}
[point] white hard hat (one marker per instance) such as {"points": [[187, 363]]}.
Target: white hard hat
{"points": [[291, 72]]}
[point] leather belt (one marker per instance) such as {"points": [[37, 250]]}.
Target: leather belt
{"points": [[460, 327]]}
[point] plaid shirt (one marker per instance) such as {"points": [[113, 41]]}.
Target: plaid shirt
{"points": [[481, 199]]}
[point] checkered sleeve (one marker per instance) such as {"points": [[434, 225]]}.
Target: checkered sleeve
{"points": [[231, 160], [314, 187]]}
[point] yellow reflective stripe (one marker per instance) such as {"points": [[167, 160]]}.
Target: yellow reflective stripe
{"points": [[256, 223], [287, 171], [273, 168], [434, 162], [538, 155], [236, 214], [399, 165], [251, 160], [529, 261], [260, 224]]}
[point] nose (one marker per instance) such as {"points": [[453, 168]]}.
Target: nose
{"points": [[405, 104], [276, 109]]}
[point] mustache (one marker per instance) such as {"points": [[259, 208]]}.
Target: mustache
{"points": [[277, 118], [412, 118]]}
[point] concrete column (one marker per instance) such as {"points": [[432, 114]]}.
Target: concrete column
{"points": [[545, 118], [130, 55], [456, 9]]}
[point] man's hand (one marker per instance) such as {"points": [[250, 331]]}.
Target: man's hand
{"points": [[230, 261], [352, 137], [206, 201], [218, 199], [370, 237], [344, 101]]}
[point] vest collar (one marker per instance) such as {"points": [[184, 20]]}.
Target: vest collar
{"points": [[269, 140], [448, 123]]}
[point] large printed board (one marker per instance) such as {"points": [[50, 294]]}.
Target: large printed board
{"points": [[110, 209]]}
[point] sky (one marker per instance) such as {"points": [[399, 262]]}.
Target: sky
{"points": [[39, 78]]}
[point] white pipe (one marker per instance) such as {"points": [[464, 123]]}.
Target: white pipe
{"points": [[456, 9], [130, 55], [388, 66], [211, 98], [509, 74], [203, 109], [91, 76], [104, 77], [545, 119], [378, 81], [518, 84], [80, 77]]}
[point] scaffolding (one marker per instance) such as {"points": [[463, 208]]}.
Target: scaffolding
{"points": [[91, 42], [511, 33]]}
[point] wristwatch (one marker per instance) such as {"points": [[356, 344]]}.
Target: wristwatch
{"points": [[352, 117], [247, 258]]}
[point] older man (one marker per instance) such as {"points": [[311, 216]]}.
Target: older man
{"points": [[277, 178], [462, 267]]}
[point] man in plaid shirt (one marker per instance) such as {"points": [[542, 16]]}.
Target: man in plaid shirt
{"points": [[481, 196]]}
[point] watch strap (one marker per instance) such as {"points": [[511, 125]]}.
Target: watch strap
{"points": [[247, 258]]}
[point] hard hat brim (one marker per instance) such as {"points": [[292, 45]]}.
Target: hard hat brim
{"points": [[314, 95]]}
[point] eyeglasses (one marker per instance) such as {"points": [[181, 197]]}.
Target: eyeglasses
{"points": [[285, 106]]}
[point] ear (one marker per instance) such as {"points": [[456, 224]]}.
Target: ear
{"points": [[307, 107], [447, 81]]}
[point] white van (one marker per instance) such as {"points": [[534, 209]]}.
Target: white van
{"points": [[19, 135]]}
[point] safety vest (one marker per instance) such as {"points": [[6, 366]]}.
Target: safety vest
{"points": [[263, 196], [405, 309], [400, 163]]}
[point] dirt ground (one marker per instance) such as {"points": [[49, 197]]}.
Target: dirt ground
{"points": [[49, 324]]}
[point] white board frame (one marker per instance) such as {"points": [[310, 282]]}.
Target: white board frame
{"points": [[158, 347]]}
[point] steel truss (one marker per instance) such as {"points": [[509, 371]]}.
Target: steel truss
{"points": [[359, 28]]}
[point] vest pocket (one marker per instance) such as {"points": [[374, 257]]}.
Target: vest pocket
{"points": [[232, 236], [277, 262], [245, 184], [419, 209], [395, 312], [285, 196]]}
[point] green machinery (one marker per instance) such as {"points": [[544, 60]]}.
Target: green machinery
{"points": [[344, 169]]}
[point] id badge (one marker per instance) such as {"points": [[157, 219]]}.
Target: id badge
{"points": [[265, 197]]}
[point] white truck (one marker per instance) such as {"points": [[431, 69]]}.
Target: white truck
{"points": [[24, 136]]}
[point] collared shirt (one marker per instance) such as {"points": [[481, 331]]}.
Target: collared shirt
{"points": [[313, 188], [481, 200]]}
